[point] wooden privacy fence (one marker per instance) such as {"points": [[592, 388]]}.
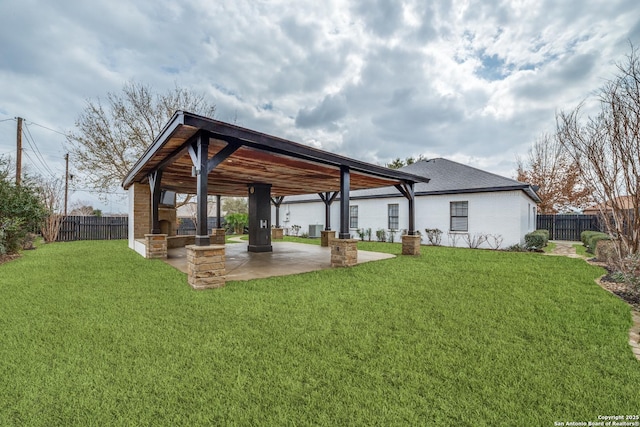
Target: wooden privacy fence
{"points": [[93, 228], [568, 227], [113, 227]]}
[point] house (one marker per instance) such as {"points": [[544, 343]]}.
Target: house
{"points": [[465, 203], [623, 202]]}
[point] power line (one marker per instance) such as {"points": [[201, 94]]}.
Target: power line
{"points": [[48, 128], [34, 164], [6, 120], [36, 151]]}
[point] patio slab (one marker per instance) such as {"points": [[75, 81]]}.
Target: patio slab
{"points": [[286, 258]]}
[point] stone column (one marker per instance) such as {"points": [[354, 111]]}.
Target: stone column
{"points": [[326, 236], [411, 244], [205, 266], [277, 233], [156, 245], [344, 252], [217, 236]]}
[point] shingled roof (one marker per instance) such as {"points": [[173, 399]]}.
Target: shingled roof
{"points": [[446, 177]]}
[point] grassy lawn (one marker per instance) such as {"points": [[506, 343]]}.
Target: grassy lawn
{"points": [[93, 334], [550, 247], [582, 250]]}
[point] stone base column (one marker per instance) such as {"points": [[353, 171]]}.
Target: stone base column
{"points": [[326, 236], [217, 236], [411, 244], [344, 252], [156, 246], [205, 266], [277, 233]]}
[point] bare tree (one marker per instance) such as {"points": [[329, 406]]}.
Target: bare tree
{"points": [[52, 196], [110, 137], [81, 208], [606, 149], [551, 168]]}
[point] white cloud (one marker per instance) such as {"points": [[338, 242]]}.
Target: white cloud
{"points": [[471, 81]]}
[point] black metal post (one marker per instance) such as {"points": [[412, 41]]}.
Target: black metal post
{"points": [[412, 210], [154, 183], [328, 198], [202, 152], [345, 184], [277, 202], [218, 215], [327, 213]]}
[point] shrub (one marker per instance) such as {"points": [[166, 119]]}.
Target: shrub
{"points": [[21, 211], [629, 269], [392, 235], [474, 241], [434, 235], [586, 235], [536, 240], [606, 252], [381, 235], [361, 233], [237, 222], [591, 238], [495, 241]]}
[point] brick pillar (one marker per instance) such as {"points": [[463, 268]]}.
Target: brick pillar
{"points": [[205, 266], [326, 236], [156, 245], [344, 252], [411, 244], [277, 233], [217, 236]]}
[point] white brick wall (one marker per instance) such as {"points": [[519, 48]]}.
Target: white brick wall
{"points": [[506, 213]]}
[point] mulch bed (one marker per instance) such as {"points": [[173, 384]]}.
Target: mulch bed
{"points": [[617, 287], [7, 258]]}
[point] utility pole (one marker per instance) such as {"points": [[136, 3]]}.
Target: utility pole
{"points": [[66, 183], [19, 151]]}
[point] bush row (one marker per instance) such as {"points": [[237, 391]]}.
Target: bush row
{"points": [[591, 238], [536, 239]]}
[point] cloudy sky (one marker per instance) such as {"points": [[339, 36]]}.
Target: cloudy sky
{"points": [[472, 81]]}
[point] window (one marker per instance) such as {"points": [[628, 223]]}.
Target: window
{"points": [[393, 210], [353, 216], [459, 216]]}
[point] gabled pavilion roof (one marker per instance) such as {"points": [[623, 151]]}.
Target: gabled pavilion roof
{"points": [[291, 168]]}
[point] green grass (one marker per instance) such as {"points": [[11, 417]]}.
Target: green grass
{"points": [[549, 248], [582, 250], [93, 334], [228, 237]]}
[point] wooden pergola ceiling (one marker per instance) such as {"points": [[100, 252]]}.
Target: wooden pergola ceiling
{"points": [[290, 168]]}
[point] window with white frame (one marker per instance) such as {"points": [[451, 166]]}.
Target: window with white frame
{"points": [[353, 216], [394, 216], [459, 212]]}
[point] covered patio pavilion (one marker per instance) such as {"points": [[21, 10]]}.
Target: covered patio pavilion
{"points": [[202, 156]]}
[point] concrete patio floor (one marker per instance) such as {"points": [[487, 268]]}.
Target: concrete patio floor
{"points": [[286, 258]]}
